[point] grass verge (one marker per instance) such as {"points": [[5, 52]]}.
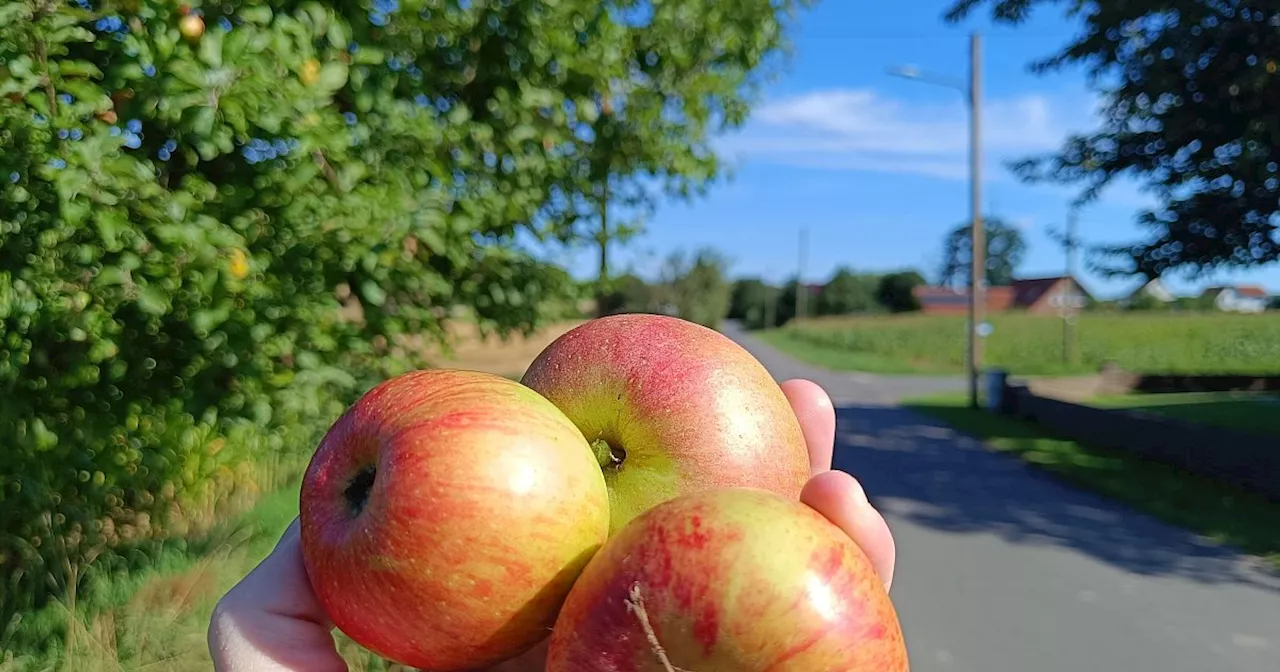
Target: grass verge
{"points": [[1214, 509], [1246, 412], [158, 618]]}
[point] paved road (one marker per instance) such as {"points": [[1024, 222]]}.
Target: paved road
{"points": [[1002, 569]]}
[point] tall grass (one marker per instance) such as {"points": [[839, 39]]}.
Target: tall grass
{"points": [[157, 617], [1031, 344]]}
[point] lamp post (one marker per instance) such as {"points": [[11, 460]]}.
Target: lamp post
{"points": [[972, 92]]}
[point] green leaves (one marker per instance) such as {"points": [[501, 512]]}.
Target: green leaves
{"points": [[373, 293], [205, 241], [333, 76], [1187, 93], [152, 300]]}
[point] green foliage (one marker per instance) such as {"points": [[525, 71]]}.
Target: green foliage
{"points": [[847, 293], [1201, 302], [689, 71], [1188, 108], [628, 293], [1005, 250], [895, 294], [208, 246], [1145, 302], [695, 287], [1162, 342], [754, 302], [785, 309]]}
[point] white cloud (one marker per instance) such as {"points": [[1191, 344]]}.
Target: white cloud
{"points": [[861, 129], [1024, 222]]}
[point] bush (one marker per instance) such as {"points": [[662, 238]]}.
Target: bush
{"points": [[628, 293], [695, 288], [895, 291], [754, 303], [848, 292], [183, 222]]}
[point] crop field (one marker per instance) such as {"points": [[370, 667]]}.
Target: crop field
{"points": [[1034, 345]]}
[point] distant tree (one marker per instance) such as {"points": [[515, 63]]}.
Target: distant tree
{"points": [[894, 292], [785, 304], [696, 288], [754, 302], [627, 293], [1145, 301], [1201, 302], [1189, 91], [1005, 250], [745, 293], [1093, 304], [848, 292]]}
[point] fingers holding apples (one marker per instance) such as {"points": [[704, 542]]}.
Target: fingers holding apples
{"points": [[271, 621], [817, 416], [735, 579], [836, 494], [648, 482], [840, 498]]}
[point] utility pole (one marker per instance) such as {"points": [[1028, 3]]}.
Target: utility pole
{"points": [[972, 92], [802, 292], [1069, 310], [602, 238], [977, 281]]}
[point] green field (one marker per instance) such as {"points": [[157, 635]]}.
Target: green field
{"points": [[1218, 511], [1247, 412], [1033, 345]]}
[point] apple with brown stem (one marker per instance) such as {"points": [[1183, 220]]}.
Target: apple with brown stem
{"points": [[731, 580], [445, 516], [671, 407]]}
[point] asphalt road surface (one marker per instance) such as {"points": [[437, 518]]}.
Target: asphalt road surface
{"points": [[1003, 569]]}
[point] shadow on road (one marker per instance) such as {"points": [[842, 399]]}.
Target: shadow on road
{"points": [[918, 469]]}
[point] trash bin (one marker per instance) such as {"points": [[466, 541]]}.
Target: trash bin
{"points": [[997, 379]]}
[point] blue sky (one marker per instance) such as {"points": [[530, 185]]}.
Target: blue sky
{"points": [[875, 166]]}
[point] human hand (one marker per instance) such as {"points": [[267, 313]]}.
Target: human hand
{"points": [[272, 622]]}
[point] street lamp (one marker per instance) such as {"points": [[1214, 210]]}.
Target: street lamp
{"points": [[972, 92]]}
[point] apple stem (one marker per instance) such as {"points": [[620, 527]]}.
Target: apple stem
{"points": [[607, 456], [635, 604]]}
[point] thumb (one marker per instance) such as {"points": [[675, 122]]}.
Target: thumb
{"points": [[271, 621]]}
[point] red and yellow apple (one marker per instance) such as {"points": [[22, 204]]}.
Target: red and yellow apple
{"points": [[671, 407], [729, 580], [445, 516]]}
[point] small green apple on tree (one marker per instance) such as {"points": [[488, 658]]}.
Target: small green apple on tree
{"points": [[671, 407], [445, 516], [728, 580]]}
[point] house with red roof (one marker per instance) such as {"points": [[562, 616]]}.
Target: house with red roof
{"points": [[1239, 299], [1051, 295]]}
